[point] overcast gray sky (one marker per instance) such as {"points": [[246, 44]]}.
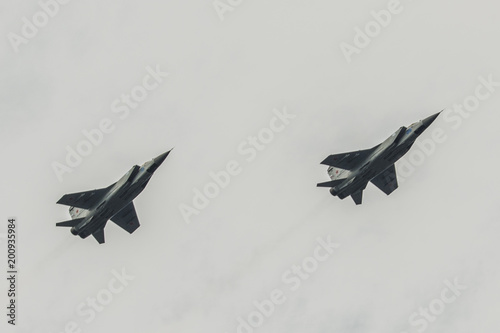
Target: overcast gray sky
{"points": [[232, 67]]}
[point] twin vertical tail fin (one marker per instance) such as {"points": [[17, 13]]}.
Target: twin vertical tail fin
{"points": [[338, 173], [337, 176], [76, 212]]}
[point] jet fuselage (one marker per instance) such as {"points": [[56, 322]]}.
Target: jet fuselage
{"points": [[120, 194], [91, 210], [374, 161], [383, 156]]}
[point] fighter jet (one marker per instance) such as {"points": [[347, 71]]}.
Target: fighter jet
{"points": [[91, 210], [351, 172]]}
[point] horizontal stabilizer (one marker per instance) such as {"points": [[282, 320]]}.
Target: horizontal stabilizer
{"points": [[331, 183], [70, 223], [347, 161], [85, 200]]}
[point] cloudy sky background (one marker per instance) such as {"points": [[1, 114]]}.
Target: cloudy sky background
{"points": [[225, 79]]}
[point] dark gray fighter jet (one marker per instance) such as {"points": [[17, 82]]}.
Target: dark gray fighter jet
{"points": [[351, 172], [91, 210]]}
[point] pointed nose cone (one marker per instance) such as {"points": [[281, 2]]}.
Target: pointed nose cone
{"points": [[160, 158], [429, 120]]}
